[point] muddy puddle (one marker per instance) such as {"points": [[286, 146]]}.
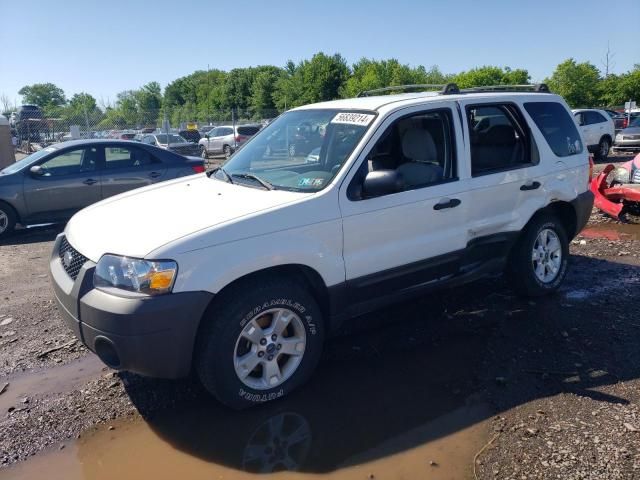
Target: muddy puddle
{"points": [[278, 445], [388, 410], [612, 231], [49, 381]]}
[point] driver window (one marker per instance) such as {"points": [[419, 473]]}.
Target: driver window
{"points": [[70, 162], [420, 148]]}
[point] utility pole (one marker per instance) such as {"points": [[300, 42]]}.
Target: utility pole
{"points": [[607, 61]]}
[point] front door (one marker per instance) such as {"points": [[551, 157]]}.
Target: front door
{"points": [[68, 181], [407, 239]]}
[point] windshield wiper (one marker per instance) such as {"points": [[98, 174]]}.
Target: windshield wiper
{"points": [[251, 176], [227, 177]]}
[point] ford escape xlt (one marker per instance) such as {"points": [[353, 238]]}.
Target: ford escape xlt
{"points": [[240, 273]]}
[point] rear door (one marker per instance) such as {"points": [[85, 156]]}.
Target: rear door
{"points": [[587, 128], [502, 158], [69, 182], [128, 167]]}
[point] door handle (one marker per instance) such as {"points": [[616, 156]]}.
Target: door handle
{"points": [[90, 181], [446, 203], [154, 174], [531, 186]]}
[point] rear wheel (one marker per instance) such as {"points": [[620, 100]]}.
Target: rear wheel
{"points": [[538, 262], [603, 149], [227, 151], [263, 341], [7, 220]]}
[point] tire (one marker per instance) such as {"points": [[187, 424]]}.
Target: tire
{"points": [[531, 277], [227, 151], [251, 308], [7, 220], [603, 149], [203, 152]]}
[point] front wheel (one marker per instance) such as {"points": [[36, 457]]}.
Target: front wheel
{"points": [[7, 220], [203, 152], [227, 151], [538, 262], [263, 341]]}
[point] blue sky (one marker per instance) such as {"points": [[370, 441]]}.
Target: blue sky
{"points": [[106, 47]]}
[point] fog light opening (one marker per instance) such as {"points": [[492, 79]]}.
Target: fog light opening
{"points": [[107, 352]]}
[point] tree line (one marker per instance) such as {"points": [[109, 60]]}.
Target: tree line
{"points": [[262, 91]]}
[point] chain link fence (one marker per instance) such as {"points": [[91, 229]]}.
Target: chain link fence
{"points": [[36, 130]]}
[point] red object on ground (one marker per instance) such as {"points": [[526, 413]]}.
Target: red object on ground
{"points": [[611, 199]]}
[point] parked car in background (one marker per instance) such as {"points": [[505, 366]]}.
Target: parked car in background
{"points": [[173, 142], [628, 138], [192, 136], [597, 130], [619, 118], [57, 181], [225, 140], [29, 122]]}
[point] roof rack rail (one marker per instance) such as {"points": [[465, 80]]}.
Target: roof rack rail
{"points": [[442, 88], [537, 87]]}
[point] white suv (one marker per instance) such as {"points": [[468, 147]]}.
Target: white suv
{"points": [[242, 272], [598, 130]]}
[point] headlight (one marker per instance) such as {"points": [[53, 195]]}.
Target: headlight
{"points": [[151, 277], [621, 175]]}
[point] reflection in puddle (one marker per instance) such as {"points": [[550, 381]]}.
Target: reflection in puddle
{"points": [[280, 445], [407, 413], [612, 231]]}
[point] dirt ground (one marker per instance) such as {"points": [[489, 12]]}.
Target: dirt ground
{"points": [[474, 376]]}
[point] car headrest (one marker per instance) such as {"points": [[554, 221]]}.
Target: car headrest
{"points": [[418, 145]]}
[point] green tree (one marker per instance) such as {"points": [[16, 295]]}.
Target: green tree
{"points": [[578, 83], [491, 75], [148, 101], [617, 89], [46, 95], [316, 80]]}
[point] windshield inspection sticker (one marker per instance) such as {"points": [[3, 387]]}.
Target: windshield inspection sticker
{"points": [[310, 182], [362, 119]]}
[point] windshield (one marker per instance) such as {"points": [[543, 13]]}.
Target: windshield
{"points": [[20, 164], [300, 151], [162, 139]]}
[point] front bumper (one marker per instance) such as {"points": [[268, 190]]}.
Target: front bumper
{"points": [[626, 145], [152, 336]]}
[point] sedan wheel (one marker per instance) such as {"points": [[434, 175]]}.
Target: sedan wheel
{"points": [[7, 220], [603, 149], [227, 151]]}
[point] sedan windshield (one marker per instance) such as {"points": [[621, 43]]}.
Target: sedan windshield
{"points": [[162, 139], [301, 151]]}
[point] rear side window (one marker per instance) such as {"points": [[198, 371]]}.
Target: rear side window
{"points": [[557, 127], [119, 157], [499, 140], [248, 130], [594, 117]]}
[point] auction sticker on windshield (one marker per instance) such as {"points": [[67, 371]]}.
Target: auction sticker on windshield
{"points": [[362, 119]]}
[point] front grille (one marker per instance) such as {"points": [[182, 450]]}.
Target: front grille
{"points": [[72, 260], [631, 137]]}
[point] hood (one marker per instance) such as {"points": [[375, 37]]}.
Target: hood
{"points": [[137, 222], [630, 131]]}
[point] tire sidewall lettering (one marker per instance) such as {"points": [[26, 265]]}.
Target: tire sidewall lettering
{"points": [[296, 307]]}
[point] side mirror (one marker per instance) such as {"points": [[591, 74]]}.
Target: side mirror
{"points": [[381, 182], [37, 171]]}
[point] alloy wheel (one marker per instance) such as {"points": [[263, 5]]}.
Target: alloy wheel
{"points": [[4, 221], [546, 256], [269, 349]]}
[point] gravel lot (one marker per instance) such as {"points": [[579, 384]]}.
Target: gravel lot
{"points": [[561, 374]]}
